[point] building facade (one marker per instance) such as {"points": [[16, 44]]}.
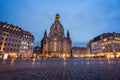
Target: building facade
{"points": [[56, 44], [14, 40], [105, 44], [78, 51], [36, 51], [27, 42]]}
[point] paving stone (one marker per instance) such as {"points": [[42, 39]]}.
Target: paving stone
{"points": [[60, 69]]}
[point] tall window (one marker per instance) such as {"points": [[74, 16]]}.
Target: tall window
{"points": [[54, 46]]}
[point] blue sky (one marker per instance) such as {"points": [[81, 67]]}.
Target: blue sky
{"points": [[85, 19]]}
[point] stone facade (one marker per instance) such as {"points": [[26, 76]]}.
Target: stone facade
{"points": [[78, 51], [105, 44], [15, 41], [56, 44]]}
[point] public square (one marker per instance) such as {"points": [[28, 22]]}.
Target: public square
{"points": [[60, 69]]}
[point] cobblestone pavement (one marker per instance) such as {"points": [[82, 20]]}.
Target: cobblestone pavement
{"points": [[60, 69]]}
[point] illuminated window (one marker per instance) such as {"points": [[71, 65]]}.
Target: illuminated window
{"points": [[22, 42], [105, 39], [103, 47], [32, 44], [24, 47], [102, 43], [4, 26], [55, 39], [54, 46], [116, 38], [109, 42], [14, 28]]}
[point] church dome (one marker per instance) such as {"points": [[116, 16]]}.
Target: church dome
{"points": [[57, 27]]}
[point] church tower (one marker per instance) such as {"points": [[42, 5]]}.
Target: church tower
{"points": [[56, 44], [45, 34]]}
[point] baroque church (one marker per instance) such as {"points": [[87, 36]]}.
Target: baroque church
{"points": [[56, 44]]}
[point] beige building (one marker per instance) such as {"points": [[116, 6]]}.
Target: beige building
{"points": [[56, 44], [27, 42], [78, 51], [12, 39], [107, 44]]}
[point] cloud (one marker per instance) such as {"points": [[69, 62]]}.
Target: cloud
{"points": [[85, 19]]}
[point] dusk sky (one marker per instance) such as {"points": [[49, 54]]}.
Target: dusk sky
{"points": [[85, 19]]}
